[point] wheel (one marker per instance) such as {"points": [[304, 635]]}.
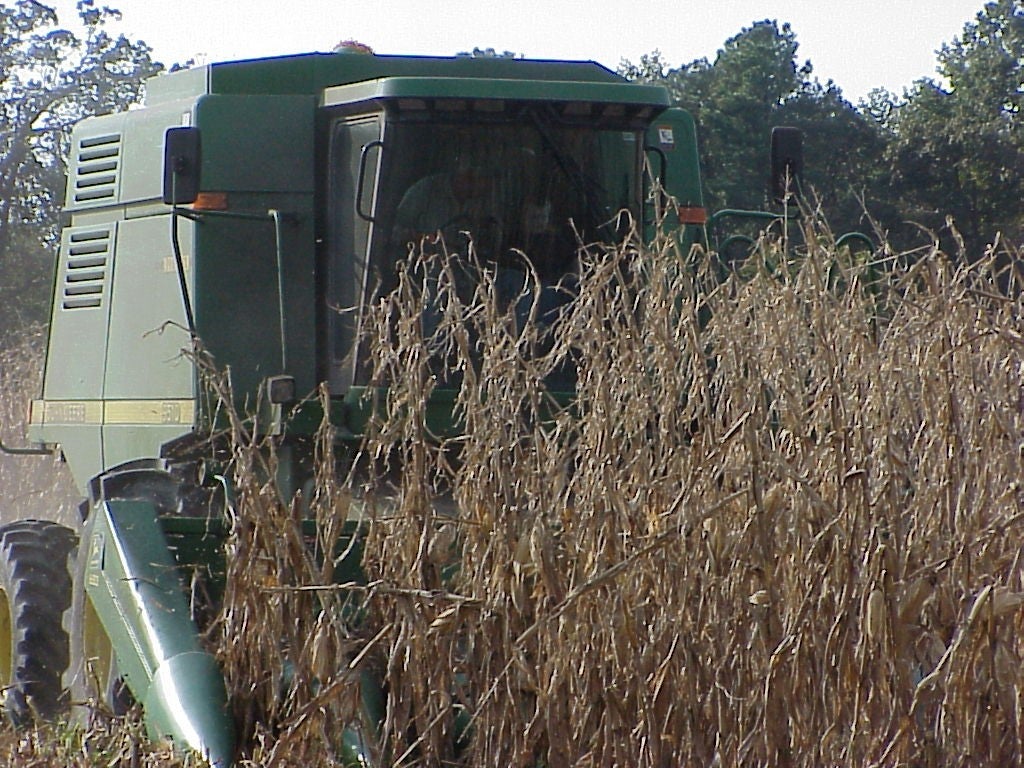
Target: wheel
{"points": [[35, 593]]}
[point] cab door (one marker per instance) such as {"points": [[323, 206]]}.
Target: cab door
{"points": [[355, 155]]}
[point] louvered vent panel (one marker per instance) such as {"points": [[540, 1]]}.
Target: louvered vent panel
{"points": [[97, 166], [85, 273]]}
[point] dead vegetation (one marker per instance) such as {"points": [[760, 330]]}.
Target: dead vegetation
{"points": [[779, 525], [33, 486], [107, 743]]}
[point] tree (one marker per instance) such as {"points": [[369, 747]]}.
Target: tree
{"points": [[50, 78], [959, 145], [755, 83], [842, 146], [735, 101], [651, 69]]}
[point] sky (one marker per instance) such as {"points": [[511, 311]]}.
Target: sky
{"points": [[859, 44]]}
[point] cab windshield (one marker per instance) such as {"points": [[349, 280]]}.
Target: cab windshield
{"points": [[533, 186], [520, 188]]}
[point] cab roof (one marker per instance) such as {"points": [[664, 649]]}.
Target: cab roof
{"points": [[311, 73]]}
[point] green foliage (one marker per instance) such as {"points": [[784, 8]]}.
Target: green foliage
{"points": [[51, 76], [958, 146], [951, 149], [736, 100], [651, 69], [756, 82], [490, 53], [842, 147]]}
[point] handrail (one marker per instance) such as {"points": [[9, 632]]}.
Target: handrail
{"points": [[845, 240], [33, 451], [738, 213]]}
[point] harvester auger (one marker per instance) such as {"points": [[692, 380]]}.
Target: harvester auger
{"points": [[242, 206]]}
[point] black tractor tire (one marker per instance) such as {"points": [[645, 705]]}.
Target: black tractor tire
{"points": [[35, 594]]}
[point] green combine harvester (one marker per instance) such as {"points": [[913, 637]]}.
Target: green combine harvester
{"points": [[246, 205]]}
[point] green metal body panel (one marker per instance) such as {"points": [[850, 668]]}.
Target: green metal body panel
{"points": [[257, 143], [146, 319], [492, 88], [143, 142], [198, 543], [145, 362], [674, 133], [197, 546], [114, 373], [87, 254], [672, 138], [269, 165]]}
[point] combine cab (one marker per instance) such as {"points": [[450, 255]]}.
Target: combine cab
{"points": [[257, 207]]}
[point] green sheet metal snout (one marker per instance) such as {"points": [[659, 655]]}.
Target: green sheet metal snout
{"points": [[135, 588]]}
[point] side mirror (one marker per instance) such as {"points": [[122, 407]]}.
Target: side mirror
{"points": [[787, 163], [182, 157]]}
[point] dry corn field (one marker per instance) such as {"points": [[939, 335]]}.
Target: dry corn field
{"points": [[781, 524], [32, 486]]}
